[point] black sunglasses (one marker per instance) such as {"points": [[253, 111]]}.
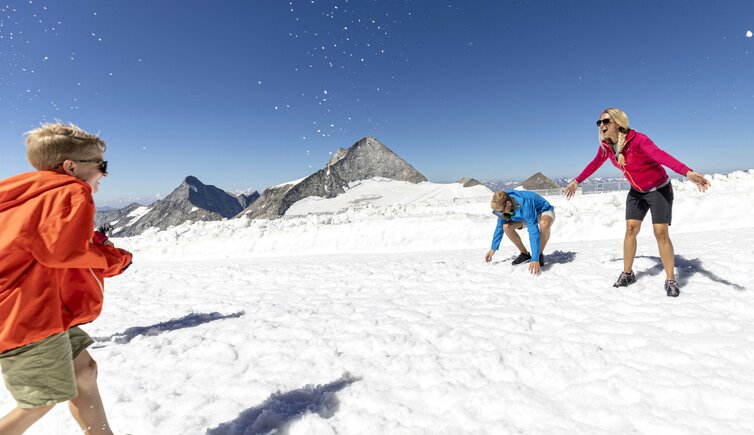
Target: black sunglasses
{"points": [[101, 164], [502, 214], [605, 121]]}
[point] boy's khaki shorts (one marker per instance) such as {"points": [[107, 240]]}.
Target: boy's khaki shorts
{"points": [[41, 373]]}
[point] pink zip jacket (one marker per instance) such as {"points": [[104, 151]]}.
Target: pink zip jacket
{"points": [[644, 162]]}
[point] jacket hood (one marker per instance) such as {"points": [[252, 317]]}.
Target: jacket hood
{"points": [[20, 188]]}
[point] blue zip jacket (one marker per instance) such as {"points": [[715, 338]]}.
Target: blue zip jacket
{"points": [[530, 206]]}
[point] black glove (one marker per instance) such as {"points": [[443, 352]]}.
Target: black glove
{"points": [[106, 229]]}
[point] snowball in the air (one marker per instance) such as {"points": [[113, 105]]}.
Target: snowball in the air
{"points": [[749, 34]]}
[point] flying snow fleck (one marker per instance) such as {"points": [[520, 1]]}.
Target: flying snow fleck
{"points": [[749, 34]]}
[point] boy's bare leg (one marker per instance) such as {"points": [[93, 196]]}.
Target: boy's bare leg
{"points": [[20, 419], [87, 407], [510, 231]]}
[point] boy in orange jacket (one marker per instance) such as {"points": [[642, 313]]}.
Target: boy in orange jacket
{"points": [[51, 278]]}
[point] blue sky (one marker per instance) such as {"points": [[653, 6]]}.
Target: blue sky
{"points": [[249, 94]]}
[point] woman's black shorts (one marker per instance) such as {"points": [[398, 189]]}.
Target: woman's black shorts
{"points": [[659, 202]]}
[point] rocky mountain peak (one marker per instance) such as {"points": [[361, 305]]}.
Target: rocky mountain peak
{"points": [[469, 182], [539, 181], [193, 183], [365, 159], [192, 200], [337, 156]]}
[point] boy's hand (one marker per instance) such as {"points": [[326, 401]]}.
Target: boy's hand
{"points": [[534, 268], [100, 237]]}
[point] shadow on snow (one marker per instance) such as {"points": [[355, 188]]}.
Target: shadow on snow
{"points": [[281, 409], [559, 257], [555, 257], [189, 321], [686, 269]]}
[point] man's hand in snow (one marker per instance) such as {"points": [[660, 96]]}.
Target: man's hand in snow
{"points": [[534, 268], [489, 255]]}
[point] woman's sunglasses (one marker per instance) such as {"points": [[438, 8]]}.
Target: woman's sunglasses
{"points": [[602, 122], [101, 164]]}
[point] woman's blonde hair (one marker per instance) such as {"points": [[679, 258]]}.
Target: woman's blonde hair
{"points": [[498, 201], [620, 119], [51, 144]]}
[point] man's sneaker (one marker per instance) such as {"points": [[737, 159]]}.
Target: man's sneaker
{"points": [[521, 258], [671, 288], [625, 279]]}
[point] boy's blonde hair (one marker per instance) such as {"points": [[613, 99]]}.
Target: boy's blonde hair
{"points": [[498, 200], [51, 144]]}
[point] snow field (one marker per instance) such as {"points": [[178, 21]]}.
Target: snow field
{"points": [[385, 319]]}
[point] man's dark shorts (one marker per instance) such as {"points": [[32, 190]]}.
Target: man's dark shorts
{"points": [[659, 202]]}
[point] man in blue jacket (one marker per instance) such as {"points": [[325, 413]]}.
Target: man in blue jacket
{"points": [[515, 209]]}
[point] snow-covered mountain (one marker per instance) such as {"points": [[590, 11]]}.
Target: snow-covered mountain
{"points": [[496, 186], [194, 201], [191, 201], [365, 159]]}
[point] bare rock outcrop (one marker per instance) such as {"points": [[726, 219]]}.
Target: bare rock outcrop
{"points": [[539, 181], [191, 201], [367, 158]]}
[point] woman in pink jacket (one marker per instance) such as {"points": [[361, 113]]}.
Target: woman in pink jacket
{"points": [[641, 162]]}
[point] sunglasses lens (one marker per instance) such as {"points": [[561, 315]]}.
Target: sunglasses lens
{"points": [[103, 167]]}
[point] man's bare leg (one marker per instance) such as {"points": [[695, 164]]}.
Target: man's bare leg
{"points": [[87, 407], [545, 222], [510, 231], [17, 421]]}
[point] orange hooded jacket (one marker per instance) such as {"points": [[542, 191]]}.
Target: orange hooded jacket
{"points": [[51, 271]]}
